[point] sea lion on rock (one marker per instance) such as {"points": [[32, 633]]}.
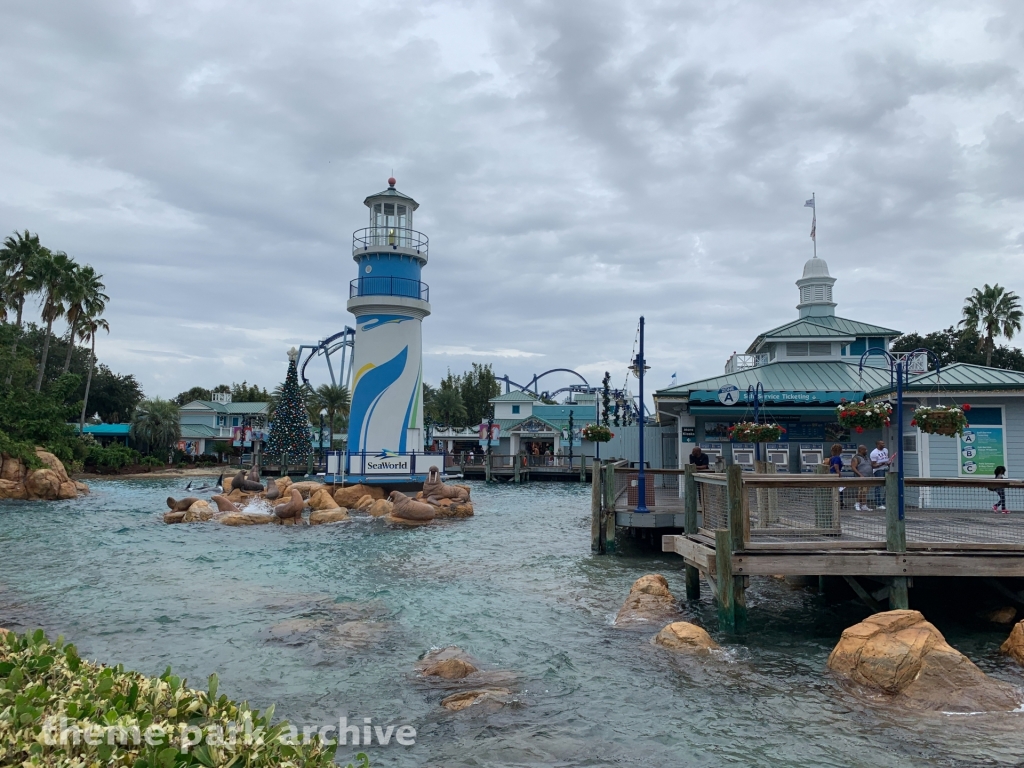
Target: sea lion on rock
{"points": [[273, 491], [173, 517], [291, 508], [410, 509], [434, 490], [224, 504], [242, 483], [253, 474], [181, 506]]}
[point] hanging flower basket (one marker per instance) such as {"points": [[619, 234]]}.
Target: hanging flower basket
{"points": [[749, 432], [948, 420], [860, 416], [597, 433]]}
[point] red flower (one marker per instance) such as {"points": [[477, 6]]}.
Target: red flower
{"points": [[913, 423], [782, 430], [966, 407], [858, 430], [842, 400]]}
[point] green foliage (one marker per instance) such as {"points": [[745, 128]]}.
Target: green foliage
{"points": [[990, 312], [42, 682], [477, 386], [948, 420], [447, 408], [335, 399], [960, 346], [113, 456], [597, 433], [40, 418], [151, 461], [155, 424], [195, 393], [246, 393]]}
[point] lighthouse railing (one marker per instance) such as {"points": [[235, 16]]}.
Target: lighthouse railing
{"points": [[395, 237]]}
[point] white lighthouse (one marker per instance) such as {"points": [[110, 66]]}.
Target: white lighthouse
{"points": [[389, 302]]}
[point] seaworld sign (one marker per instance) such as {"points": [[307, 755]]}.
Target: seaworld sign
{"points": [[391, 464]]}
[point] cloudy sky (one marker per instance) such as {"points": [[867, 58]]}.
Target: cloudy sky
{"points": [[577, 164]]}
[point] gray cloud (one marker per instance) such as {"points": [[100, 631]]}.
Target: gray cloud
{"points": [[577, 165]]}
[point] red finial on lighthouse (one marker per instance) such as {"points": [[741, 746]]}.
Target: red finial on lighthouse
{"points": [[391, 181]]}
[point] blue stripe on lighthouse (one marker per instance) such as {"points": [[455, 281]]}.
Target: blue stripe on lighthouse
{"points": [[369, 389]]}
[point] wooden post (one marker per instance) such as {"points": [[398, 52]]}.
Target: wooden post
{"points": [[487, 468], [608, 490], [595, 510], [732, 599], [283, 469], [583, 467], [895, 540], [690, 523], [515, 472]]}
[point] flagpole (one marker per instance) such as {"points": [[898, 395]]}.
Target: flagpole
{"points": [[814, 214]]}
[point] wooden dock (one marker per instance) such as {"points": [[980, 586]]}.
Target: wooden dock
{"points": [[735, 525], [504, 468]]}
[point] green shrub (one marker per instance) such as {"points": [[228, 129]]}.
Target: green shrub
{"points": [[113, 456], [41, 683], [151, 461], [20, 449]]}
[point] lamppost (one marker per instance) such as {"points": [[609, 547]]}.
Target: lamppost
{"points": [[322, 437], [639, 367], [899, 374], [755, 394]]}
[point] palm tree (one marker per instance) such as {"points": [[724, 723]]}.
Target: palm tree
{"points": [[448, 408], [991, 312], [17, 270], [55, 271], [89, 326], [335, 399], [156, 423], [85, 297]]}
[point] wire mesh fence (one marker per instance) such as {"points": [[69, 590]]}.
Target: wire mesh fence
{"points": [[712, 503], [967, 512], [813, 509], [663, 489]]}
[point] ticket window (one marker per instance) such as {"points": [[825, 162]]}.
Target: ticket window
{"points": [[778, 454], [744, 457], [811, 457], [849, 451], [714, 453]]}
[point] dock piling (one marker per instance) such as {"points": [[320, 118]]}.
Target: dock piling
{"points": [[895, 540], [732, 598], [690, 528]]}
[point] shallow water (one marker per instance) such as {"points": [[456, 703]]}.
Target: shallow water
{"points": [[516, 586]]}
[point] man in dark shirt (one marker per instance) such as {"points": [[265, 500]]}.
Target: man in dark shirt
{"points": [[699, 459]]}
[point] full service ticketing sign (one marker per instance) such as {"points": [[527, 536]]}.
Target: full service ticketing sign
{"points": [[732, 395], [981, 450]]}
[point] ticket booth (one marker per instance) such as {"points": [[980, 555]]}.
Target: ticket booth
{"points": [[849, 451], [811, 456], [714, 452], [778, 454], [743, 455]]}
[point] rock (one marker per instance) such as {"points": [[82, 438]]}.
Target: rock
{"points": [[174, 517], [495, 698], [391, 518], [12, 489], [1014, 644], [449, 669], [43, 484], [683, 636], [455, 509], [200, 511], [307, 488], [441, 655], [901, 658], [12, 469], [348, 496], [244, 518], [434, 490], [52, 462], [322, 499], [321, 516], [380, 508], [649, 600], [81, 487], [67, 490], [1004, 615], [364, 503]]}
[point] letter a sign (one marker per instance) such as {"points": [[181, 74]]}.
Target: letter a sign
{"points": [[728, 395]]}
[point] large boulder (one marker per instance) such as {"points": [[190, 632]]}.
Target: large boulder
{"points": [[900, 658], [449, 508], [348, 496], [43, 484], [307, 488], [491, 698], [199, 511], [380, 508], [174, 517], [13, 489], [12, 469], [245, 518], [52, 462], [321, 516], [649, 601], [49, 483], [322, 499], [1014, 645], [685, 637]]}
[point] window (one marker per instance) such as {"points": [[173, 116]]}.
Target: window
{"points": [[234, 421], [796, 349], [910, 443], [515, 409], [222, 421], [819, 348]]}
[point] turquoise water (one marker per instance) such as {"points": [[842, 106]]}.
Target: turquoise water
{"points": [[516, 586]]}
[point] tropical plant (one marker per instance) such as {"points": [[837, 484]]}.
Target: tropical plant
{"points": [[127, 718], [90, 325], [448, 408], [195, 393], [335, 399], [55, 272], [155, 424], [948, 420], [990, 312], [861, 416], [85, 299], [750, 432], [17, 270]]}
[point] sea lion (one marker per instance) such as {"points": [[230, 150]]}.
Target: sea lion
{"points": [[224, 504], [240, 482], [410, 509], [273, 491], [291, 508], [181, 506], [254, 474], [434, 490]]}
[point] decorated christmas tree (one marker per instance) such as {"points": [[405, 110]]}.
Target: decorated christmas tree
{"points": [[289, 431]]}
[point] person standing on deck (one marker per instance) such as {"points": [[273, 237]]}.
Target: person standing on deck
{"points": [[880, 464], [699, 459], [861, 466]]}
